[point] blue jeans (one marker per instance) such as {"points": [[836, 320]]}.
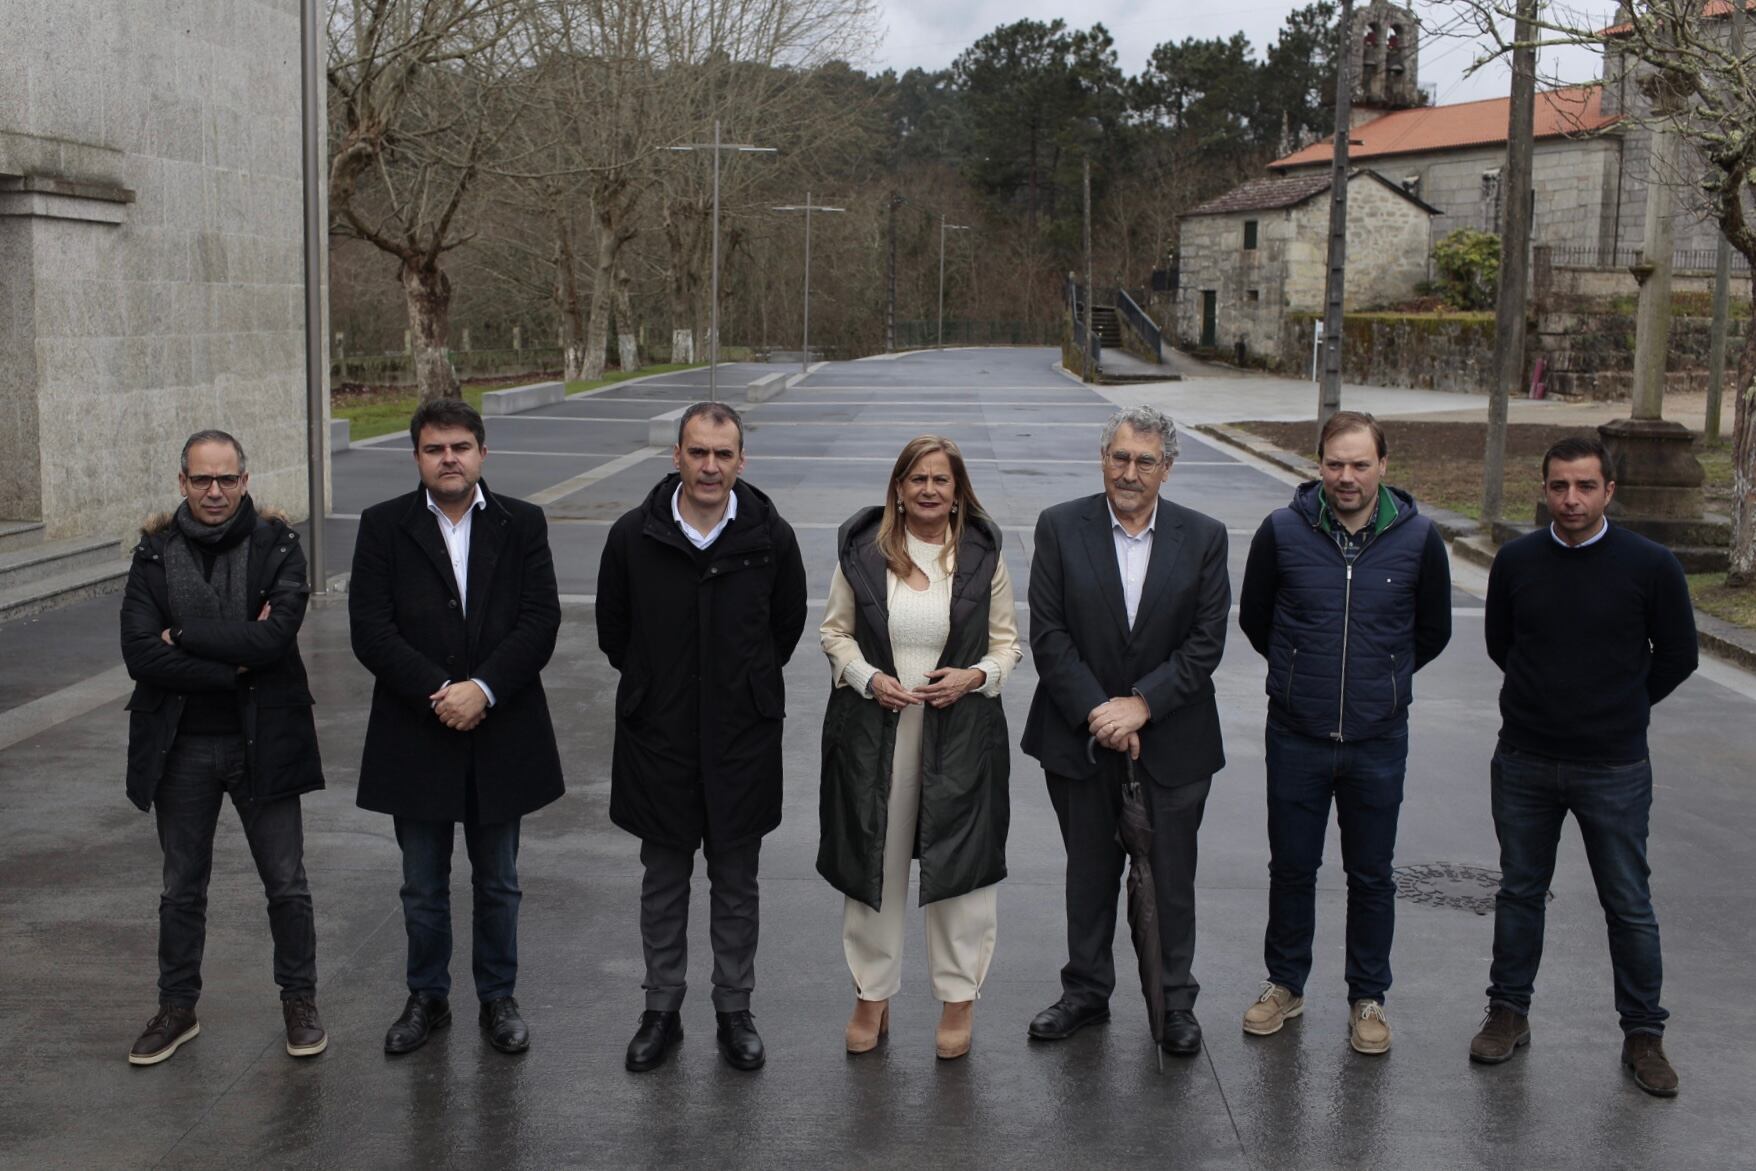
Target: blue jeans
{"points": [[199, 772], [426, 904], [1365, 780], [1532, 796]]}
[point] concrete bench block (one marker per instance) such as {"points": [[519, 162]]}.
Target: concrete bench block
{"points": [[517, 399], [661, 430], [340, 432], [764, 388]]}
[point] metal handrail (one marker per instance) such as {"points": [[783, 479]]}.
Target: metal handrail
{"points": [[1142, 325]]}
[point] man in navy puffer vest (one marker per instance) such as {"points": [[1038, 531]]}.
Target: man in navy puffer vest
{"points": [[1347, 593]]}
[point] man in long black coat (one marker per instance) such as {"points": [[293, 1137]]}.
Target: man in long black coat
{"points": [[1128, 606], [210, 629], [453, 608], [701, 600]]}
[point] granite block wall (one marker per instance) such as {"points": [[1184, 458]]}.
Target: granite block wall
{"points": [[150, 220]]}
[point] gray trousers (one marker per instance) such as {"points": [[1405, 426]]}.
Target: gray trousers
{"points": [[732, 919]]}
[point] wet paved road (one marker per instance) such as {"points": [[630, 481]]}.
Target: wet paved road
{"points": [[78, 882]]}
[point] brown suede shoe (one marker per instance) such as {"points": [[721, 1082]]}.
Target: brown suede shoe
{"points": [[956, 1024], [869, 1024], [305, 1035], [173, 1025], [1503, 1030], [1644, 1053]]}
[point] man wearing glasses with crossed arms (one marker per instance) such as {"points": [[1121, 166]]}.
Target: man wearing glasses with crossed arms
{"points": [[210, 627]]}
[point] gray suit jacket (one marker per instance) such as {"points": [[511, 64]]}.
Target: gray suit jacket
{"points": [[1085, 652]]}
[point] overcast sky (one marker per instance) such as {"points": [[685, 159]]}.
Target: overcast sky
{"points": [[929, 33]]}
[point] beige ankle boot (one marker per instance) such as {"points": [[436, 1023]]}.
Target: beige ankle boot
{"points": [[956, 1022], [871, 1020]]}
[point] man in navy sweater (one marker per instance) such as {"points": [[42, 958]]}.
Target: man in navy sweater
{"points": [[1347, 593], [1593, 625]]}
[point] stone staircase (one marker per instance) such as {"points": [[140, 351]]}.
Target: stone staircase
{"points": [[1105, 324], [38, 574]]}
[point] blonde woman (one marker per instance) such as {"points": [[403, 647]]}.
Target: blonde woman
{"points": [[920, 634]]}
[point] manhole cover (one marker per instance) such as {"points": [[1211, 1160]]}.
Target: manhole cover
{"points": [[1449, 884]]}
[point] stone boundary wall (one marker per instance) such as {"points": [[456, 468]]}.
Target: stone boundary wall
{"points": [[1452, 353]]}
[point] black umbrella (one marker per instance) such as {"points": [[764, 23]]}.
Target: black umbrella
{"points": [[1134, 832]]}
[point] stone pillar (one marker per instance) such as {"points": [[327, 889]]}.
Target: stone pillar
{"points": [[1658, 479]]}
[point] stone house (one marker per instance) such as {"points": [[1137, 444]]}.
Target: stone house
{"points": [[151, 277], [1260, 251], [1451, 157]]}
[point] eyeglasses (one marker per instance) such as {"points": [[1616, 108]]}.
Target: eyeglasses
{"points": [[203, 483], [1146, 465]]}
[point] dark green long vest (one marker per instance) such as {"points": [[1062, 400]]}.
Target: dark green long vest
{"points": [[960, 833]]}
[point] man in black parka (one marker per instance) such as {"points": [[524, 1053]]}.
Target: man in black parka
{"points": [[210, 625], [701, 600], [453, 607]]}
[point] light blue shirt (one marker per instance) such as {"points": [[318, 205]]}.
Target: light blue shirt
{"points": [[1133, 554]]}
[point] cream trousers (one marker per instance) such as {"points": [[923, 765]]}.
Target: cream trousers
{"points": [[960, 931]]}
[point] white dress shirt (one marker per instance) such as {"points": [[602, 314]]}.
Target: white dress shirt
{"points": [[1603, 531], [456, 538], [1133, 554], [697, 538]]}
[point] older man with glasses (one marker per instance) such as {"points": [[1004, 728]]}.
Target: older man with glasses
{"points": [[210, 627], [1128, 607]]}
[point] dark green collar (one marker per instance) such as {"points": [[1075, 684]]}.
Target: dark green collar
{"points": [[1382, 514]]}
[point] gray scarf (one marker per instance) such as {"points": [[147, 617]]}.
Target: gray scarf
{"points": [[224, 594]]}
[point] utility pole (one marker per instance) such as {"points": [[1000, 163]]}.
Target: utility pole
{"points": [[1509, 308], [1090, 292], [808, 207], [1722, 279], [890, 301], [943, 228], [717, 148], [1329, 387]]}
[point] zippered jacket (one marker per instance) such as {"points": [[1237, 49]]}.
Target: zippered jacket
{"points": [[1343, 641], [273, 697]]}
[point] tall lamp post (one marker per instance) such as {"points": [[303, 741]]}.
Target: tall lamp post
{"points": [[718, 148], [808, 207], [316, 239], [943, 228]]}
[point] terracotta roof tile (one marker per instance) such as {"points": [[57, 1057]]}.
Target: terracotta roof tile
{"points": [[1710, 11], [1573, 110]]}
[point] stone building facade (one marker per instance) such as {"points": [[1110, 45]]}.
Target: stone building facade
{"points": [[1260, 252], [1452, 156], [151, 279]]}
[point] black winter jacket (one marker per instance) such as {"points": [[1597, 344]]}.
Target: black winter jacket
{"points": [[700, 638], [1343, 642], [274, 701], [966, 757]]}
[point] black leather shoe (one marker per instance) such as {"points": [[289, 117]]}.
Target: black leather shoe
{"points": [[658, 1034], [1066, 1017], [506, 1030], [739, 1042], [420, 1016], [1182, 1033]]}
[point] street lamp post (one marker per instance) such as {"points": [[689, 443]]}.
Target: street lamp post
{"points": [[943, 228], [717, 147], [808, 207]]}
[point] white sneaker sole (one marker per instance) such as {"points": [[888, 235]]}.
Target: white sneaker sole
{"points": [[308, 1050], [1297, 1009], [165, 1053]]}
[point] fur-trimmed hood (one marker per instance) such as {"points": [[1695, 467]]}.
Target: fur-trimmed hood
{"points": [[160, 522]]}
